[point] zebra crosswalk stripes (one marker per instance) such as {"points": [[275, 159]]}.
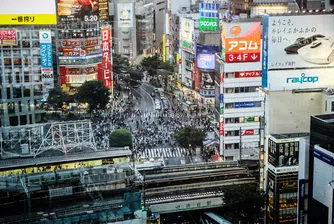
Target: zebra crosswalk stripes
{"points": [[165, 152]]}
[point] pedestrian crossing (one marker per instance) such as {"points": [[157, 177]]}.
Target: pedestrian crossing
{"points": [[165, 152], [156, 114]]}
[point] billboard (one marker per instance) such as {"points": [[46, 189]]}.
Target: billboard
{"points": [[207, 80], [8, 37], [247, 104], [300, 79], [283, 153], [249, 132], [125, 15], [46, 61], [79, 10], [32, 12], [292, 42], [105, 69], [187, 29], [206, 61], [205, 49], [241, 42], [208, 16]]}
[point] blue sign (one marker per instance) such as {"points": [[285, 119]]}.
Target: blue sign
{"points": [[302, 79], [265, 51], [246, 104], [301, 200], [46, 55], [221, 98], [208, 10], [206, 49]]}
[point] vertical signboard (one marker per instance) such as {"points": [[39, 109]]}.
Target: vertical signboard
{"points": [[186, 34], [8, 37], [241, 42], [106, 57], [197, 77], [208, 16], [125, 14], [221, 117], [103, 10], [46, 61], [265, 19]]}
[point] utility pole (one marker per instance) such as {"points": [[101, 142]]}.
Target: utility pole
{"points": [[240, 144]]}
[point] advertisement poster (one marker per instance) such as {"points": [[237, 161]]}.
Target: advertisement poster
{"points": [[187, 29], [207, 80], [206, 61], [300, 79], [103, 10], [31, 12], [241, 42], [288, 153], [208, 16], [125, 15], [46, 62], [301, 41], [8, 37], [197, 77], [272, 149], [78, 10], [105, 70]]}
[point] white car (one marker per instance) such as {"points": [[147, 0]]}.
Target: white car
{"points": [[157, 106]]}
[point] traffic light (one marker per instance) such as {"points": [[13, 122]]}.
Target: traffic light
{"points": [[143, 208]]}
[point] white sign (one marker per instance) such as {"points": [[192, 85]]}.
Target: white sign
{"points": [[187, 29], [286, 169], [304, 41], [300, 79], [125, 14]]}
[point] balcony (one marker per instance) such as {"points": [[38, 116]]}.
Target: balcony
{"points": [[242, 97], [241, 82]]}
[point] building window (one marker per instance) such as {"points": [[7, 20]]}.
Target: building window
{"points": [[229, 90], [332, 106], [232, 120], [229, 75]]}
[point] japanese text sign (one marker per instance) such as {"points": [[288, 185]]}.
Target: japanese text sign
{"points": [[106, 60], [8, 37], [241, 42], [208, 16], [249, 74], [303, 41], [32, 12]]}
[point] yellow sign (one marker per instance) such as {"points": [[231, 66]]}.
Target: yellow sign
{"points": [[28, 19], [164, 48]]}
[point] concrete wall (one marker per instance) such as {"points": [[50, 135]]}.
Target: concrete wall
{"points": [[288, 112]]}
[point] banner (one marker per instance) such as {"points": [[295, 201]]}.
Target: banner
{"points": [[46, 62], [125, 14], [8, 38], [207, 80], [250, 74], [105, 69], [28, 12], [241, 42]]}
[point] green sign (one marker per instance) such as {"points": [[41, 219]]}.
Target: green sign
{"points": [[221, 110], [187, 46], [208, 24]]}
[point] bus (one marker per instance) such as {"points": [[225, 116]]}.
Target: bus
{"points": [[212, 218]]}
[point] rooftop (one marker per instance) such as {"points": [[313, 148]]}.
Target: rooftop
{"points": [[290, 135], [327, 118]]}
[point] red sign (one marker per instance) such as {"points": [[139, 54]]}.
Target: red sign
{"points": [[68, 43], [8, 37], [242, 57], [221, 128], [197, 77], [251, 74], [249, 132], [221, 77], [105, 68]]}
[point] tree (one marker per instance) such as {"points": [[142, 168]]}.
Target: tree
{"points": [[119, 62], [190, 137], [94, 93], [120, 138], [243, 203], [57, 98]]}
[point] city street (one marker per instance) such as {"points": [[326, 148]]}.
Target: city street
{"points": [[143, 112]]}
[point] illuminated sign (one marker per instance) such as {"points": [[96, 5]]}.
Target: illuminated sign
{"points": [[249, 132], [80, 10], [241, 42], [23, 12], [105, 73], [208, 14], [206, 61], [251, 74], [125, 14], [8, 37]]}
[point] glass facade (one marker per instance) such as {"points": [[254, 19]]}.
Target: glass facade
{"points": [[21, 79]]}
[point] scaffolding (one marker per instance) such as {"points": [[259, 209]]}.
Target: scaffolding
{"points": [[35, 139]]}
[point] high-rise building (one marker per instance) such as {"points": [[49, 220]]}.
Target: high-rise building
{"points": [[27, 64], [145, 28], [80, 36], [124, 28]]}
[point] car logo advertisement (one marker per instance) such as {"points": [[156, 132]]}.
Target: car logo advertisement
{"points": [[300, 41], [241, 42]]}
